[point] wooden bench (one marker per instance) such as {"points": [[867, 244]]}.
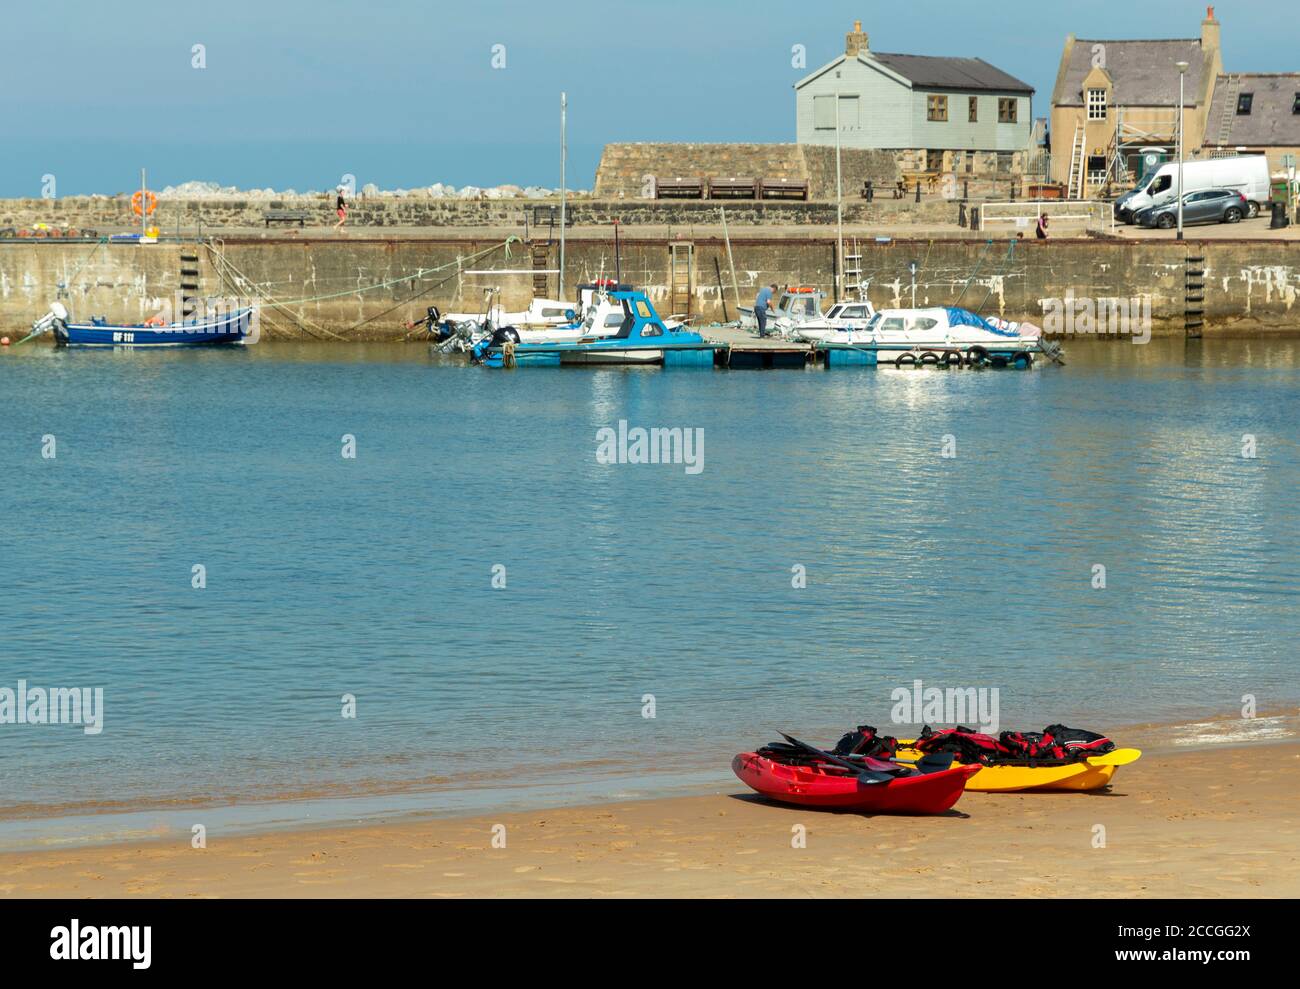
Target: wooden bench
{"points": [[733, 188], [286, 216], [690, 188], [783, 189]]}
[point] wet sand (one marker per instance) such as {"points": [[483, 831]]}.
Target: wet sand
{"points": [[1217, 823]]}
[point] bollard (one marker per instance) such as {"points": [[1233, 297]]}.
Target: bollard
{"points": [[918, 189], [961, 215], [1280, 219]]}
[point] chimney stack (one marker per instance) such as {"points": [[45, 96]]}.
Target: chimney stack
{"points": [[856, 41], [1210, 36]]}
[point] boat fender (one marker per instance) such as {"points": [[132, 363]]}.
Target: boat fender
{"points": [[976, 356], [1000, 361], [904, 360], [507, 334], [1023, 359], [952, 358], [570, 315], [928, 358]]}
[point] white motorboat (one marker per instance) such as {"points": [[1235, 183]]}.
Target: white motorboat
{"points": [[839, 320], [794, 307], [948, 336]]}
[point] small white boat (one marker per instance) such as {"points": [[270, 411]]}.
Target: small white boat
{"points": [[794, 307], [839, 320]]}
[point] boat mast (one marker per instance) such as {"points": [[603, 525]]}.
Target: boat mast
{"points": [[564, 155]]}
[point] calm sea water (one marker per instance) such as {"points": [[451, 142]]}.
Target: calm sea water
{"points": [[373, 577]]}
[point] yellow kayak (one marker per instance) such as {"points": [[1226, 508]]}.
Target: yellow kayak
{"points": [[1089, 774]]}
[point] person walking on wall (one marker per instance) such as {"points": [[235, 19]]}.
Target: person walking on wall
{"points": [[763, 302], [341, 206], [1041, 232]]}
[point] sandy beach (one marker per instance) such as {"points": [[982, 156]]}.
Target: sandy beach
{"points": [[1218, 823]]}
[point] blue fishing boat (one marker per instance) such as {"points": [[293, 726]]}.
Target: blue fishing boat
{"points": [[641, 337], [233, 326]]}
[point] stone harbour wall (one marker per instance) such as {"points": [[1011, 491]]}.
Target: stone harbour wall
{"points": [[1252, 286]]}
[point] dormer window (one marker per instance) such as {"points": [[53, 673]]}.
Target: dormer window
{"points": [[1097, 104], [1244, 103]]}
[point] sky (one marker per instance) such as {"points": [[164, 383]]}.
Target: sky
{"points": [[299, 93]]}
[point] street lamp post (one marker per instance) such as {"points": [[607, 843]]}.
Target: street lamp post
{"points": [[1182, 80]]}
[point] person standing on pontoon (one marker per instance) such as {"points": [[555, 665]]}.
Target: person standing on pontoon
{"points": [[762, 303], [340, 204]]}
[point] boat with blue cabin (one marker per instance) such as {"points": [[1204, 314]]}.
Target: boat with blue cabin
{"points": [[640, 336], [237, 327]]}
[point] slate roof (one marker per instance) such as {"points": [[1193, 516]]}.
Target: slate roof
{"points": [[1272, 122], [1143, 71], [938, 72]]}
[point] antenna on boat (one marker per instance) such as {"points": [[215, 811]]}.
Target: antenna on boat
{"points": [[564, 156]]}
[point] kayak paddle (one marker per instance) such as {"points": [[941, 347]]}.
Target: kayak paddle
{"points": [[869, 776]]}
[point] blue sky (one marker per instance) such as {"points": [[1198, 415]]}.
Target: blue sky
{"points": [[403, 93]]}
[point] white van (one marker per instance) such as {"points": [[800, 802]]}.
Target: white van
{"points": [[1247, 174]]}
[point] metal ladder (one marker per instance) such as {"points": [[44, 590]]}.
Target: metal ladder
{"points": [[541, 264], [1229, 109], [681, 277], [1077, 163], [853, 270], [1194, 312], [189, 284]]}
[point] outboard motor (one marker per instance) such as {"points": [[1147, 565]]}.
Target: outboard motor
{"points": [[482, 351], [56, 319]]}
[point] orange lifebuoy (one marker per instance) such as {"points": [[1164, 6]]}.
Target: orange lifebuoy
{"points": [[155, 320], [143, 202]]}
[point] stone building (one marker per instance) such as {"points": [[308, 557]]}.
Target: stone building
{"points": [[1116, 101], [935, 114], [1255, 113]]}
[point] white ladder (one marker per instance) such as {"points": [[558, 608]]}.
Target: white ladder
{"points": [[1077, 162]]}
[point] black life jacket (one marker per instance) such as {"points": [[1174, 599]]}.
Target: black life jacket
{"points": [[1077, 743], [867, 741]]}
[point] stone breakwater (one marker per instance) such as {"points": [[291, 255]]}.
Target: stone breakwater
{"points": [[1252, 287]]}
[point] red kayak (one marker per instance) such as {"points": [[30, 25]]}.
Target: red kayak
{"points": [[826, 785]]}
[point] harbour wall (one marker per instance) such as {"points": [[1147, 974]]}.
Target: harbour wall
{"points": [[1252, 287], [190, 217]]}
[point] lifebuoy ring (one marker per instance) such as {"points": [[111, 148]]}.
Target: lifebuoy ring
{"points": [[143, 202]]}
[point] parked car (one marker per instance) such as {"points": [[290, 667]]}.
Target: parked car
{"points": [[1210, 206], [1247, 174]]}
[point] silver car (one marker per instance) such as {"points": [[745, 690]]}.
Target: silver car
{"points": [[1209, 206]]}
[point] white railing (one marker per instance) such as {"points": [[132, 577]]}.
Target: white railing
{"points": [[1069, 214]]}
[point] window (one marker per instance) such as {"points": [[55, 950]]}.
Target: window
{"points": [[925, 323], [1008, 111], [1096, 169], [975, 109], [934, 161], [1096, 104], [824, 112], [937, 109], [1244, 103], [1006, 159], [892, 325], [652, 330], [1162, 183]]}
